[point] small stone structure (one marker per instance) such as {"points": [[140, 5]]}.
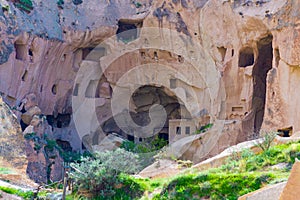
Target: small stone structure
{"points": [[180, 128]]}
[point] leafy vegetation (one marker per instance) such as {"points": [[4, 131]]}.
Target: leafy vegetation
{"points": [[24, 5], [204, 128], [104, 174], [145, 147], [60, 3], [4, 170], [214, 185], [77, 2], [268, 138], [148, 149], [242, 173], [21, 193], [107, 175]]}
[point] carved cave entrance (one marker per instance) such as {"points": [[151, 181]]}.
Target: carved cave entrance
{"points": [[262, 66], [142, 100]]}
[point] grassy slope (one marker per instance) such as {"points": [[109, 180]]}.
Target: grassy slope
{"points": [[240, 175]]}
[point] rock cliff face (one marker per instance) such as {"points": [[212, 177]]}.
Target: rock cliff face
{"points": [[231, 63]]}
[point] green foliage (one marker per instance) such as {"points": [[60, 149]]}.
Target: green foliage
{"points": [[145, 147], [214, 186], [137, 4], [204, 128], [184, 163], [268, 138], [148, 149], [247, 161], [51, 144], [102, 175], [243, 172], [30, 136], [60, 3], [5, 171], [24, 5], [25, 195]]}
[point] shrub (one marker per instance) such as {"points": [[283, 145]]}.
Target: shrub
{"points": [[24, 5], [148, 148], [60, 3], [101, 175], [77, 2], [268, 138], [204, 128]]}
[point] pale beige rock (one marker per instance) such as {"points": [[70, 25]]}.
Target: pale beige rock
{"points": [[28, 115], [194, 51], [291, 189], [161, 169], [271, 192]]}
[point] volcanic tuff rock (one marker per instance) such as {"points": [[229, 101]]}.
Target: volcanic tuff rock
{"points": [[209, 61]]}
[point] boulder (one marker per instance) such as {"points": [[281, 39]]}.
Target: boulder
{"points": [[28, 115], [292, 188]]}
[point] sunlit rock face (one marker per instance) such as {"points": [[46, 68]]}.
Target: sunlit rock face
{"points": [[12, 144], [202, 61]]}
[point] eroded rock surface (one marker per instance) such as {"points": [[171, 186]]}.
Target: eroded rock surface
{"points": [[204, 61]]}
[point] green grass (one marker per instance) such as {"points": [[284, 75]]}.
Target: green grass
{"points": [[217, 185], [6, 171], [25, 195], [242, 173]]}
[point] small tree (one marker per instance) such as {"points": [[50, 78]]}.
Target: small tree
{"points": [[268, 138], [100, 174]]}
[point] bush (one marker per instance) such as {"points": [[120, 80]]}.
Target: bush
{"points": [[148, 149], [60, 3], [24, 5], [101, 175], [268, 138]]}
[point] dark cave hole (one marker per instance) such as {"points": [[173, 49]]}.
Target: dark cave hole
{"points": [[260, 70], [24, 76], [246, 57], [277, 57], [30, 53], [93, 53], [21, 51], [61, 121], [65, 145], [143, 99], [128, 31], [77, 2], [54, 89]]}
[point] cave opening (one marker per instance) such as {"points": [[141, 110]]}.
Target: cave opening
{"points": [[24, 76], [141, 101], [128, 31], [61, 121], [21, 51], [262, 66], [246, 57], [65, 145]]}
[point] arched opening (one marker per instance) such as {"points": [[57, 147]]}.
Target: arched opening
{"points": [[260, 70], [141, 102]]}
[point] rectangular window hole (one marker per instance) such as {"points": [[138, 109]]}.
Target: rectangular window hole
{"points": [[187, 130], [173, 84], [178, 130], [237, 109]]}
